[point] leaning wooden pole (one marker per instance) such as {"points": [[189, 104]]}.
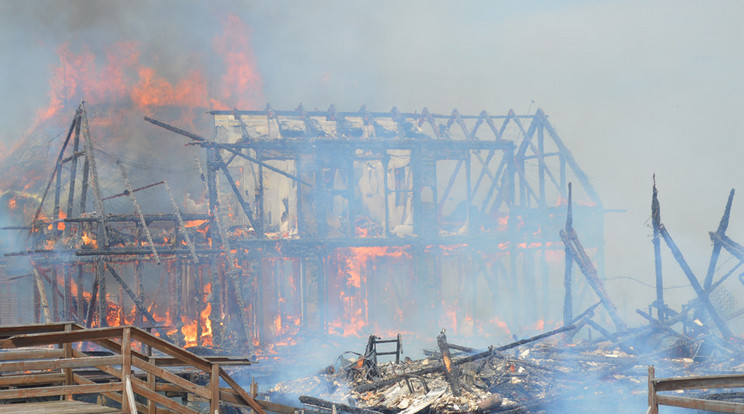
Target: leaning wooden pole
{"points": [[73, 170], [90, 161], [138, 210], [656, 223], [138, 302], [571, 242], [722, 226], [55, 172]]}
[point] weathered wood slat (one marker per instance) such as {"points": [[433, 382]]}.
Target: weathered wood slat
{"points": [[59, 363], [173, 378], [31, 354], [712, 381], [60, 337], [26, 379], [700, 404], [61, 390], [56, 407], [162, 400], [10, 330]]}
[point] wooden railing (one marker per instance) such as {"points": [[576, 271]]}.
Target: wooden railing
{"points": [[33, 372], [686, 383]]}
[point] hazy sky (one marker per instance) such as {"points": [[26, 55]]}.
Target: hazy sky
{"points": [[633, 87]]}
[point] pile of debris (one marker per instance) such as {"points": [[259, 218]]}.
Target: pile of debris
{"points": [[521, 377]]}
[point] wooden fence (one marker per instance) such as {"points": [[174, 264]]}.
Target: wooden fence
{"points": [[685, 383], [42, 361]]}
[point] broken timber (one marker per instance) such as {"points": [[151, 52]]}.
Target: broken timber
{"points": [[578, 254], [702, 295], [721, 232]]}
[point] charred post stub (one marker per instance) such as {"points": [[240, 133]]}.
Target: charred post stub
{"points": [[451, 371]]}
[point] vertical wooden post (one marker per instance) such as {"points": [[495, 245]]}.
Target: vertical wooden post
{"points": [[55, 300], [151, 407], [67, 347], [214, 385], [37, 303], [67, 299], [653, 406], [541, 159], [656, 222], [385, 162], [42, 295], [468, 191], [79, 298], [84, 185], [139, 292], [126, 367], [568, 278], [102, 301], [258, 223]]}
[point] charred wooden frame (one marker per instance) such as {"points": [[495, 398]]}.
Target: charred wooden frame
{"points": [[512, 167]]}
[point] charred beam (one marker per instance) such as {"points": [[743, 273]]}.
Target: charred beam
{"points": [[138, 303], [130, 193], [91, 162], [92, 304], [572, 243], [451, 372], [42, 295], [656, 221], [238, 153], [534, 338], [702, 295], [141, 251], [126, 192], [149, 218], [722, 226], [58, 165], [567, 277], [181, 224]]}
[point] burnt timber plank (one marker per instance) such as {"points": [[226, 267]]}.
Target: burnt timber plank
{"points": [[58, 407]]}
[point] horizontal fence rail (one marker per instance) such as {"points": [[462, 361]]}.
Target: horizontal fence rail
{"points": [[686, 383]]}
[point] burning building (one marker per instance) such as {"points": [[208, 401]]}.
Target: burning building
{"points": [[343, 223]]}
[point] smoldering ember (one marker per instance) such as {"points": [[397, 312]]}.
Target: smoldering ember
{"points": [[338, 261]]}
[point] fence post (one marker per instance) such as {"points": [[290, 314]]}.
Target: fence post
{"points": [[151, 407], [67, 347], [126, 366], [653, 407], [214, 385]]}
